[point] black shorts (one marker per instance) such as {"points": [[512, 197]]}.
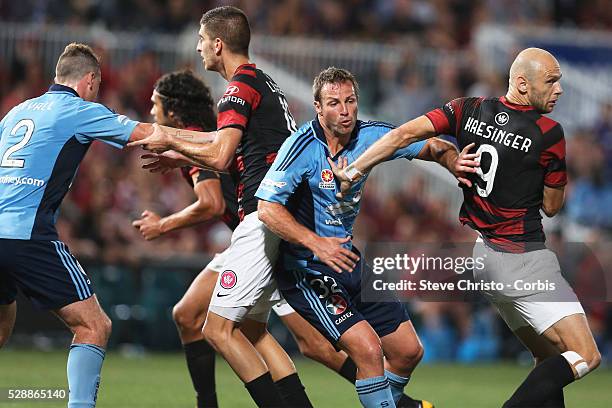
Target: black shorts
{"points": [[45, 271], [331, 301]]}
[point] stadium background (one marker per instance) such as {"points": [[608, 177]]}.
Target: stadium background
{"points": [[408, 55]]}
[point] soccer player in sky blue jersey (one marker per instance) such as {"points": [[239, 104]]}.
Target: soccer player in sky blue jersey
{"points": [[42, 142], [320, 271]]}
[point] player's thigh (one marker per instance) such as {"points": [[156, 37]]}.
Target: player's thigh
{"points": [[194, 303], [303, 332], [85, 314], [246, 279], [323, 302], [253, 330], [539, 346], [572, 333]]}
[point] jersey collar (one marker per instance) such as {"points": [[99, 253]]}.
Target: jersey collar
{"points": [[514, 106], [248, 65], [62, 88], [320, 136]]}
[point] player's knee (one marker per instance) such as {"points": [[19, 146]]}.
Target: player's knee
{"points": [[370, 353], [583, 364], [594, 360], [182, 317], [105, 327], [408, 357]]}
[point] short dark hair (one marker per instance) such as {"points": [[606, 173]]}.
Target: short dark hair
{"points": [[332, 75], [183, 93], [76, 61], [231, 25]]}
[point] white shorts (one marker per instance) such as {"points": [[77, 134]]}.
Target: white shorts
{"points": [[532, 291], [216, 264], [245, 284], [282, 308]]}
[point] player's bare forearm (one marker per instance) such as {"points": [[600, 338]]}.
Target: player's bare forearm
{"points": [[190, 135], [553, 199], [210, 204], [141, 131], [278, 220], [328, 250], [191, 215], [410, 132], [217, 154], [441, 152]]}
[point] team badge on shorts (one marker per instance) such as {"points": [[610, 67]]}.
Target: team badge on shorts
{"points": [[336, 305], [327, 180], [228, 279]]}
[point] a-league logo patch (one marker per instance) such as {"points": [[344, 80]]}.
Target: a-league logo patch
{"points": [[336, 305], [228, 279], [327, 180]]}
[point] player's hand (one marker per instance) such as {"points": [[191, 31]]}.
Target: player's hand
{"points": [[331, 252], [340, 175], [149, 225], [466, 163], [157, 142], [164, 162]]}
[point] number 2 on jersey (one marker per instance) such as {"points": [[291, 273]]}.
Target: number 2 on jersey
{"points": [[6, 160], [489, 176]]}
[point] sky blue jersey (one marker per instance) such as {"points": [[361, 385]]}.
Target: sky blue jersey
{"points": [[301, 179], [42, 143]]}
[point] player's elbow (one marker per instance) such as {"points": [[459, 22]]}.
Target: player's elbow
{"points": [[551, 209], [264, 211], [207, 208]]}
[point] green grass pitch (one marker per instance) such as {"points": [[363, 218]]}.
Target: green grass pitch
{"points": [[161, 380]]}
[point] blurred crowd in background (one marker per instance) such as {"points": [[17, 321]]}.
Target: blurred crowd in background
{"points": [[111, 190]]}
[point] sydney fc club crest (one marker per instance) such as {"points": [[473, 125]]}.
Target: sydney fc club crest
{"points": [[336, 305], [327, 180], [228, 279]]}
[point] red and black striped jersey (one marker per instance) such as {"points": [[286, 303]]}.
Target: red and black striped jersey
{"points": [[521, 151], [254, 103]]}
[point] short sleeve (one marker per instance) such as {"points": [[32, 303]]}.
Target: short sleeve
{"points": [[206, 174], [290, 168], [552, 158], [97, 122], [446, 119], [237, 104]]}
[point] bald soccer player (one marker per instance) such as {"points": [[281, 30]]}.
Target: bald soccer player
{"points": [[522, 157]]}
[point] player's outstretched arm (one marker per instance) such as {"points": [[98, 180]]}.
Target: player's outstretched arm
{"points": [[553, 200], [217, 154], [328, 249], [410, 132], [209, 204], [446, 154]]}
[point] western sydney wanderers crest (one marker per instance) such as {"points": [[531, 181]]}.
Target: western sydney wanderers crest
{"points": [[228, 279], [336, 305], [327, 180]]}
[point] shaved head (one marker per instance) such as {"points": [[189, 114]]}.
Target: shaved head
{"points": [[534, 80], [530, 62]]}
